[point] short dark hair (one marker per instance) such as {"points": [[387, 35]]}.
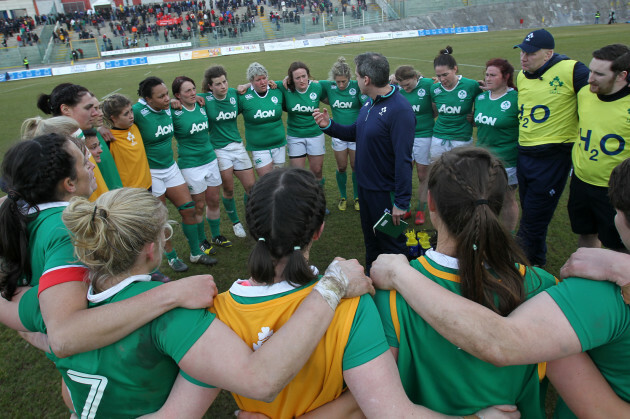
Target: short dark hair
{"points": [[373, 65], [145, 88], [619, 54], [177, 83], [619, 188], [212, 73]]}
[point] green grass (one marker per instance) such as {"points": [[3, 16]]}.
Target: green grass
{"points": [[29, 384]]}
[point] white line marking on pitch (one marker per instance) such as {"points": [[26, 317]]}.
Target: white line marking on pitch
{"points": [[111, 93]]}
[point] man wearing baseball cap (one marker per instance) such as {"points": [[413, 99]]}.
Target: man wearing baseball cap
{"points": [[548, 84]]}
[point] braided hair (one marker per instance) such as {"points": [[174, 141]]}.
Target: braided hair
{"points": [[285, 209], [31, 172], [468, 185]]}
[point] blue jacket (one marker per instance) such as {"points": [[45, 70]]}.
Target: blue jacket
{"points": [[384, 133]]}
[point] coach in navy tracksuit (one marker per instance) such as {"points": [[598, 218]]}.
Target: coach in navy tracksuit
{"points": [[384, 133]]}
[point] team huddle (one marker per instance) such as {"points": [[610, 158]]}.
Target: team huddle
{"points": [[474, 328]]}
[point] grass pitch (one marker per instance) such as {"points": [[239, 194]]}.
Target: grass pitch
{"points": [[29, 384]]}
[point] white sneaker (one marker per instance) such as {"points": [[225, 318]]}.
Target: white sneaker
{"points": [[239, 231]]}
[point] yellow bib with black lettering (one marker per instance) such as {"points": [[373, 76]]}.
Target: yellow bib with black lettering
{"points": [[321, 379], [604, 130], [548, 107]]}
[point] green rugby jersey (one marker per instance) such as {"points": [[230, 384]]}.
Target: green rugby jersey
{"points": [[191, 132], [497, 125], [453, 108], [133, 376], [300, 107], [222, 115], [264, 129], [107, 166], [439, 375], [345, 104], [601, 321], [156, 128], [420, 100]]}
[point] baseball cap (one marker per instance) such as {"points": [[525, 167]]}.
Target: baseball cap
{"points": [[538, 39]]}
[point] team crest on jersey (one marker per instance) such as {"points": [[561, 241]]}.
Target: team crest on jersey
{"points": [[437, 91], [352, 91], [131, 138], [422, 92], [203, 111], [383, 111], [555, 83], [145, 112], [274, 100], [462, 94], [481, 96], [178, 113], [210, 97], [333, 87], [313, 96], [264, 334], [168, 112], [505, 105], [248, 97], [233, 101]]}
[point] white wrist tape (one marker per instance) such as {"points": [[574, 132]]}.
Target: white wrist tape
{"points": [[333, 285]]}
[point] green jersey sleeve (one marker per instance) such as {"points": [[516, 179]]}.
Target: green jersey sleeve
{"points": [[595, 310], [367, 339]]}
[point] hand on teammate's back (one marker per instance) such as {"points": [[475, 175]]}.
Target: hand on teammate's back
{"points": [[195, 292]]}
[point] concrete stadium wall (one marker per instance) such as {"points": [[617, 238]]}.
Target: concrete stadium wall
{"points": [[507, 16]]}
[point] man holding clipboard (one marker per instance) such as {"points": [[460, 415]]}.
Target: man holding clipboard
{"points": [[384, 132]]}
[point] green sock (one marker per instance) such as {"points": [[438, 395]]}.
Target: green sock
{"points": [[355, 188], [190, 231], [342, 180], [201, 232], [170, 255], [215, 226], [245, 199], [230, 208]]}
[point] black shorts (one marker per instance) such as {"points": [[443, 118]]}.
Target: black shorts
{"points": [[590, 212]]}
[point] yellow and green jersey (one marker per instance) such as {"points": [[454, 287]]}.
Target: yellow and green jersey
{"points": [[354, 338], [131, 158], [439, 375]]}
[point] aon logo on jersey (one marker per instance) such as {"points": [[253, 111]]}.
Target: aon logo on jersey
{"points": [[450, 109], [300, 108], [224, 116], [342, 105], [265, 114], [164, 130], [203, 126], [485, 120]]}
